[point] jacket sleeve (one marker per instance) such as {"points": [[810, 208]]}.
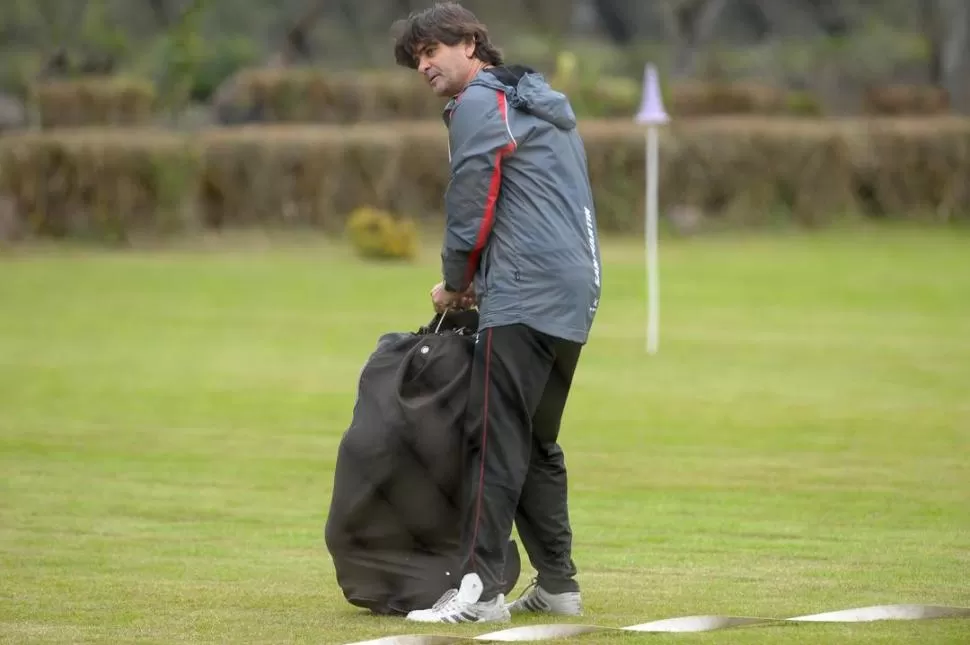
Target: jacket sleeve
{"points": [[479, 138]]}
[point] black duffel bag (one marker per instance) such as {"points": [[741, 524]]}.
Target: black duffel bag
{"points": [[393, 528]]}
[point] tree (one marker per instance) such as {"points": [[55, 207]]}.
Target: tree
{"points": [[946, 27], [690, 25]]}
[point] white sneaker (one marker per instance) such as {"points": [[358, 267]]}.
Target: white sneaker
{"points": [[462, 606], [535, 599]]}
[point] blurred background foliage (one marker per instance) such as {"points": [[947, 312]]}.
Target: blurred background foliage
{"points": [[836, 50], [121, 107]]}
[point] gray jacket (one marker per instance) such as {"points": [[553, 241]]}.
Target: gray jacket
{"points": [[521, 224]]}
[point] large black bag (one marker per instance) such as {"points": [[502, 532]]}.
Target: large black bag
{"points": [[393, 528]]}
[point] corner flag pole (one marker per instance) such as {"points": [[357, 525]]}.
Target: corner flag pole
{"points": [[652, 114]]}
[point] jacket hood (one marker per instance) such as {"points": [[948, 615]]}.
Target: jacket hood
{"points": [[527, 90]]}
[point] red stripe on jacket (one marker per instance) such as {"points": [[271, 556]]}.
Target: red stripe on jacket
{"points": [[488, 218]]}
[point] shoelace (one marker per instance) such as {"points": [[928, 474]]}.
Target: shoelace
{"points": [[445, 598], [532, 585]]}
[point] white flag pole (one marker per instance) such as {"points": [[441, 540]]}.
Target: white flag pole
{"points": [[652, 113], [650, 242]]}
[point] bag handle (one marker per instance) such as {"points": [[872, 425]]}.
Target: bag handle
{"points": [[441, 319]]}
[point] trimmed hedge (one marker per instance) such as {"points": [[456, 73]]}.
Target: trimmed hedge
{"points": [[101, 184], [289, 95], [739, 170], [95, 101], [312, 96], [309, 95], [897, 100]]}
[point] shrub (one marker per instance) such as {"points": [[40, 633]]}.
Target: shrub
{"points": [[377, 234]]}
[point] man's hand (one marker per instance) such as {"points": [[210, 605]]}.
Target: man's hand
{"points": [[467, 300], [443, 300]]}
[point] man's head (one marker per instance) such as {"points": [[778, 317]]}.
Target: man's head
{"points": [[447, 44]]}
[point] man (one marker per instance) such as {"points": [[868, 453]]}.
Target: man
{"points": [[521, 242]]}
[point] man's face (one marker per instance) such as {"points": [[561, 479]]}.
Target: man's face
{"points": [[447, 68]]}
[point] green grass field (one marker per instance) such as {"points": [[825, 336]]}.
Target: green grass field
{"points": [[169, 422]]}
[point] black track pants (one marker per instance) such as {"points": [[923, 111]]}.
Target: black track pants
{"points": [[519, 386]]}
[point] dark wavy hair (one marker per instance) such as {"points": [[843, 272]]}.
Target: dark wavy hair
{"points": [[447, 23]]}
